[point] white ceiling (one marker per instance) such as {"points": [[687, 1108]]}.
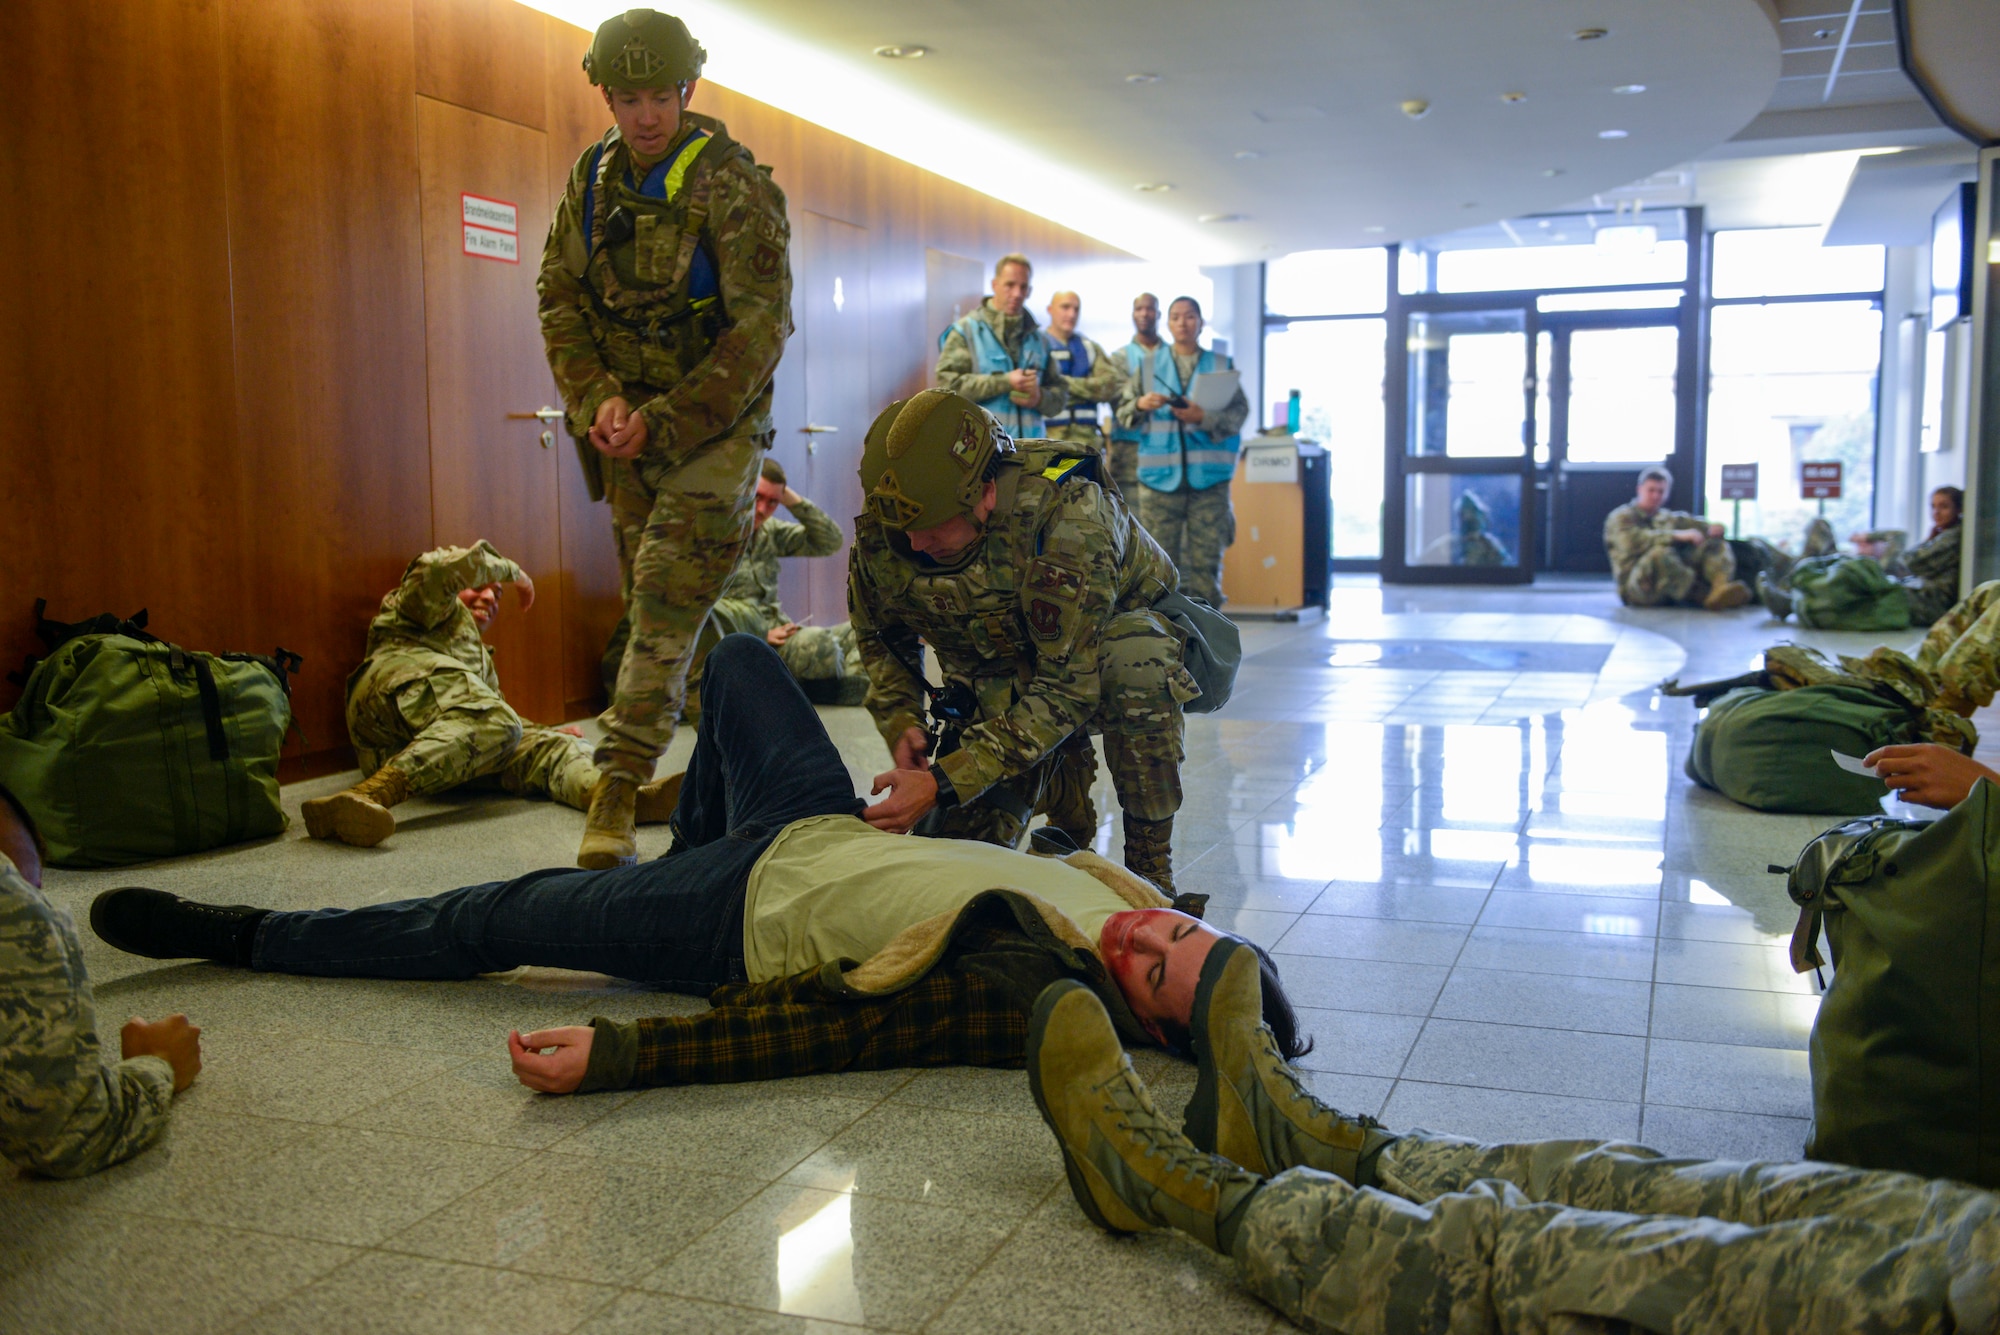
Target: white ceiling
{"points": [[1030, 101]]}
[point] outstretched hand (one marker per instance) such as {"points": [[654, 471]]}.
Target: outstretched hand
{"points": [[556, 1072], [1928, 774], [912, 792], [173, 1040], [526, 588]]}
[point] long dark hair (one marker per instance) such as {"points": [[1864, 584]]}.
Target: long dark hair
{"points": [[1957, 495]]}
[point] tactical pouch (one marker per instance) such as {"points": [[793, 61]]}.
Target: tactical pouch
{"points": [[1905, 1051], [1212, 652], [124, 747]]}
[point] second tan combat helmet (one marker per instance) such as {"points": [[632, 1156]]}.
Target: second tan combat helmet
{"points": [[643, 48], [927, 457]]}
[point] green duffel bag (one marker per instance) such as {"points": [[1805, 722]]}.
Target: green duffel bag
{"points": [[1772, 750], [1906, 1049], [124, 747], [1847, 593]]}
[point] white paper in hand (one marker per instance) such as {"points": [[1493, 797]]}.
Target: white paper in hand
{"points": [[1213, 390], [1853, 764]]}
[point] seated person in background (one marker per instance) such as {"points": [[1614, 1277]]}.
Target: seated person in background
{"points": [[1345, 1227], [822, 657], [1927, 573], [425, 712], [776, 885], [1663, 557], [64, 1110]]}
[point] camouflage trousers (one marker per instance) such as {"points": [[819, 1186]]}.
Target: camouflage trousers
{"points": [[1587, 1236], [1142, 686], [1962, 649], [681, 531], [1194, 527], [451, 728], [1121, 457], [1682, 572]]}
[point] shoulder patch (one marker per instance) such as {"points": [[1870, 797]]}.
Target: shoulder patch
{"points": [[1046, 576], [765, 261], [1045, 619]]}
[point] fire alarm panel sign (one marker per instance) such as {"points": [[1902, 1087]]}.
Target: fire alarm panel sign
{"points": [[492, 228]]}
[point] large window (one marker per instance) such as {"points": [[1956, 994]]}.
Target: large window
{"points": [[1583, 250], [1324, 336]]}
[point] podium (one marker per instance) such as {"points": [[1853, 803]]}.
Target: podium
{"points": [[1278, 567]]}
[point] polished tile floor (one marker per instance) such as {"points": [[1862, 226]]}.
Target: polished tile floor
{"points": [[1457, 816]]}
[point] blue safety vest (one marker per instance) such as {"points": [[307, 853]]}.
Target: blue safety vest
{"points": [[1071, 359], [1172, 454], [989, 357], [1133, 355]]}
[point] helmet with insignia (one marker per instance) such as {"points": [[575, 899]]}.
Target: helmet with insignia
{"points": [[643, 48], [927, 459]]}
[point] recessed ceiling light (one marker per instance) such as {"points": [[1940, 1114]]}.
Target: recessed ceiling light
{"points": [[1630, 88], [902, 52], [1823, 34], [1552, 171], [1142, 78], [1513, 97], [1416, 108], [1154, 187], [1543, 222], [1590, 34], [1223, 218], [1613, 134], [1373, 228], [1248, 154]]}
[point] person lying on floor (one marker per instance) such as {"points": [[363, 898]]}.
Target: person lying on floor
{"points": [[65, 1109], [822, 942], [1344, 1226]]}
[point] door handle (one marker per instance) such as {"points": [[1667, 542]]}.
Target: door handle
{"points": [[540, 414], [815, 429]]}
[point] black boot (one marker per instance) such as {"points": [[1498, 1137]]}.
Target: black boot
{"points": [[161, 926]]}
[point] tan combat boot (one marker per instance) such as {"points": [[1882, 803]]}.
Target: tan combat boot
{"points": [[1731, 593], [1249, 1105], [609, 839], [1130, 1169], [656, 801], [359, 815], [1149, 850]]}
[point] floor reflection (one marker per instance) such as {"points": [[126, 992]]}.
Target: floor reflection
{"points": [[816, 1256]]}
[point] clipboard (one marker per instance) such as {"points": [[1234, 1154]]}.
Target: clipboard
{"points": [[1212, 390]]}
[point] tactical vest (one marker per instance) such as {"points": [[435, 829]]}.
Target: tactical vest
{"points": [[1071, 360], [973, 615], [989, 357], [1171, 453], [650, 298]]}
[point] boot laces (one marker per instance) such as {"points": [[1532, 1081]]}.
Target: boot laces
{"points": [[1128, 1101], [1290, 1076]]}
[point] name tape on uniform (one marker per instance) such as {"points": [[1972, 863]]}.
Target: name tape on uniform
{"points": [[486, 244], [495, 214]]}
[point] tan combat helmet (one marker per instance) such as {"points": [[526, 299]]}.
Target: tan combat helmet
{"points": [[643, 48], [927, 457]]}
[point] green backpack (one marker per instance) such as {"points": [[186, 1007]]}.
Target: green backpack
{"points": [[1772, 750], [124, 747], [1847, 593], [1906, 1050]]}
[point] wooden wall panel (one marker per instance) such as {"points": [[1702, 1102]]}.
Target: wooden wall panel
{"points": [[319, 139], [484, 55], [120, 476]]}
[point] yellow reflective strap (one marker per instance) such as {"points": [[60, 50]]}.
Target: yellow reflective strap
{"points": [[677, 174], [1056, 471]]}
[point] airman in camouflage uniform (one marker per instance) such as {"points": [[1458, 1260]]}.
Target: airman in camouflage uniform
{"points": [[424, 709], [1090, 376], [1345, 1227], [665, 305], [1661, 557], [1962, 651], [1035, 587], [822, 656], [65, 1111], [1010, 370]]}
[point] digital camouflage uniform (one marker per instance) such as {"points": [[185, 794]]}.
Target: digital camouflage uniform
{"points": [[427, 700], [1049, 619], [749, 601], [66, 1110], [1584, 1236], [627, 319], [1194, 526], [957, 368], [1651, 569], [1103, 383]]}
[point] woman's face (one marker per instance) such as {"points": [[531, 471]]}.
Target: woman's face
{"points": [[1155, 957], [1943, 512]]}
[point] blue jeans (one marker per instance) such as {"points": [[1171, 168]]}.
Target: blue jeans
{"points": [[762, 760]]}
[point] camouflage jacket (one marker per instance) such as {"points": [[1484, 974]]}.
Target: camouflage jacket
{"points": [[1018, 619], [1935, 561], [65, 1111], [1629, 533], [756, 578], [423, 628], [955, 362], [696, 370]]}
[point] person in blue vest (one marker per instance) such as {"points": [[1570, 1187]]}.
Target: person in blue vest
{"points": [[1186, 455], [1090, 376], [997, 357], [1124, 439]]}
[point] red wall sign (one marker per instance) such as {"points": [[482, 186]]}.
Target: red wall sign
{"points": [[1739, 482], [492, 228], [1819, 482]]}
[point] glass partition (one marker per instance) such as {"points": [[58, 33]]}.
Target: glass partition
{"points": [[1466, 520], [1621, 394], [1337, 367], [1466, 373], [1790, 261], [1328, 282]]}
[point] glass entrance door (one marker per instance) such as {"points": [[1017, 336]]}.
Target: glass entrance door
{"points": [[1614, 406], [1461, 504]]}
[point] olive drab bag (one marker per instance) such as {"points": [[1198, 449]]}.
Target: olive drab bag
{"points": [[1772, 750], [124, 747], [1847, 593], [1212, 648], [1906, 1049]]}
